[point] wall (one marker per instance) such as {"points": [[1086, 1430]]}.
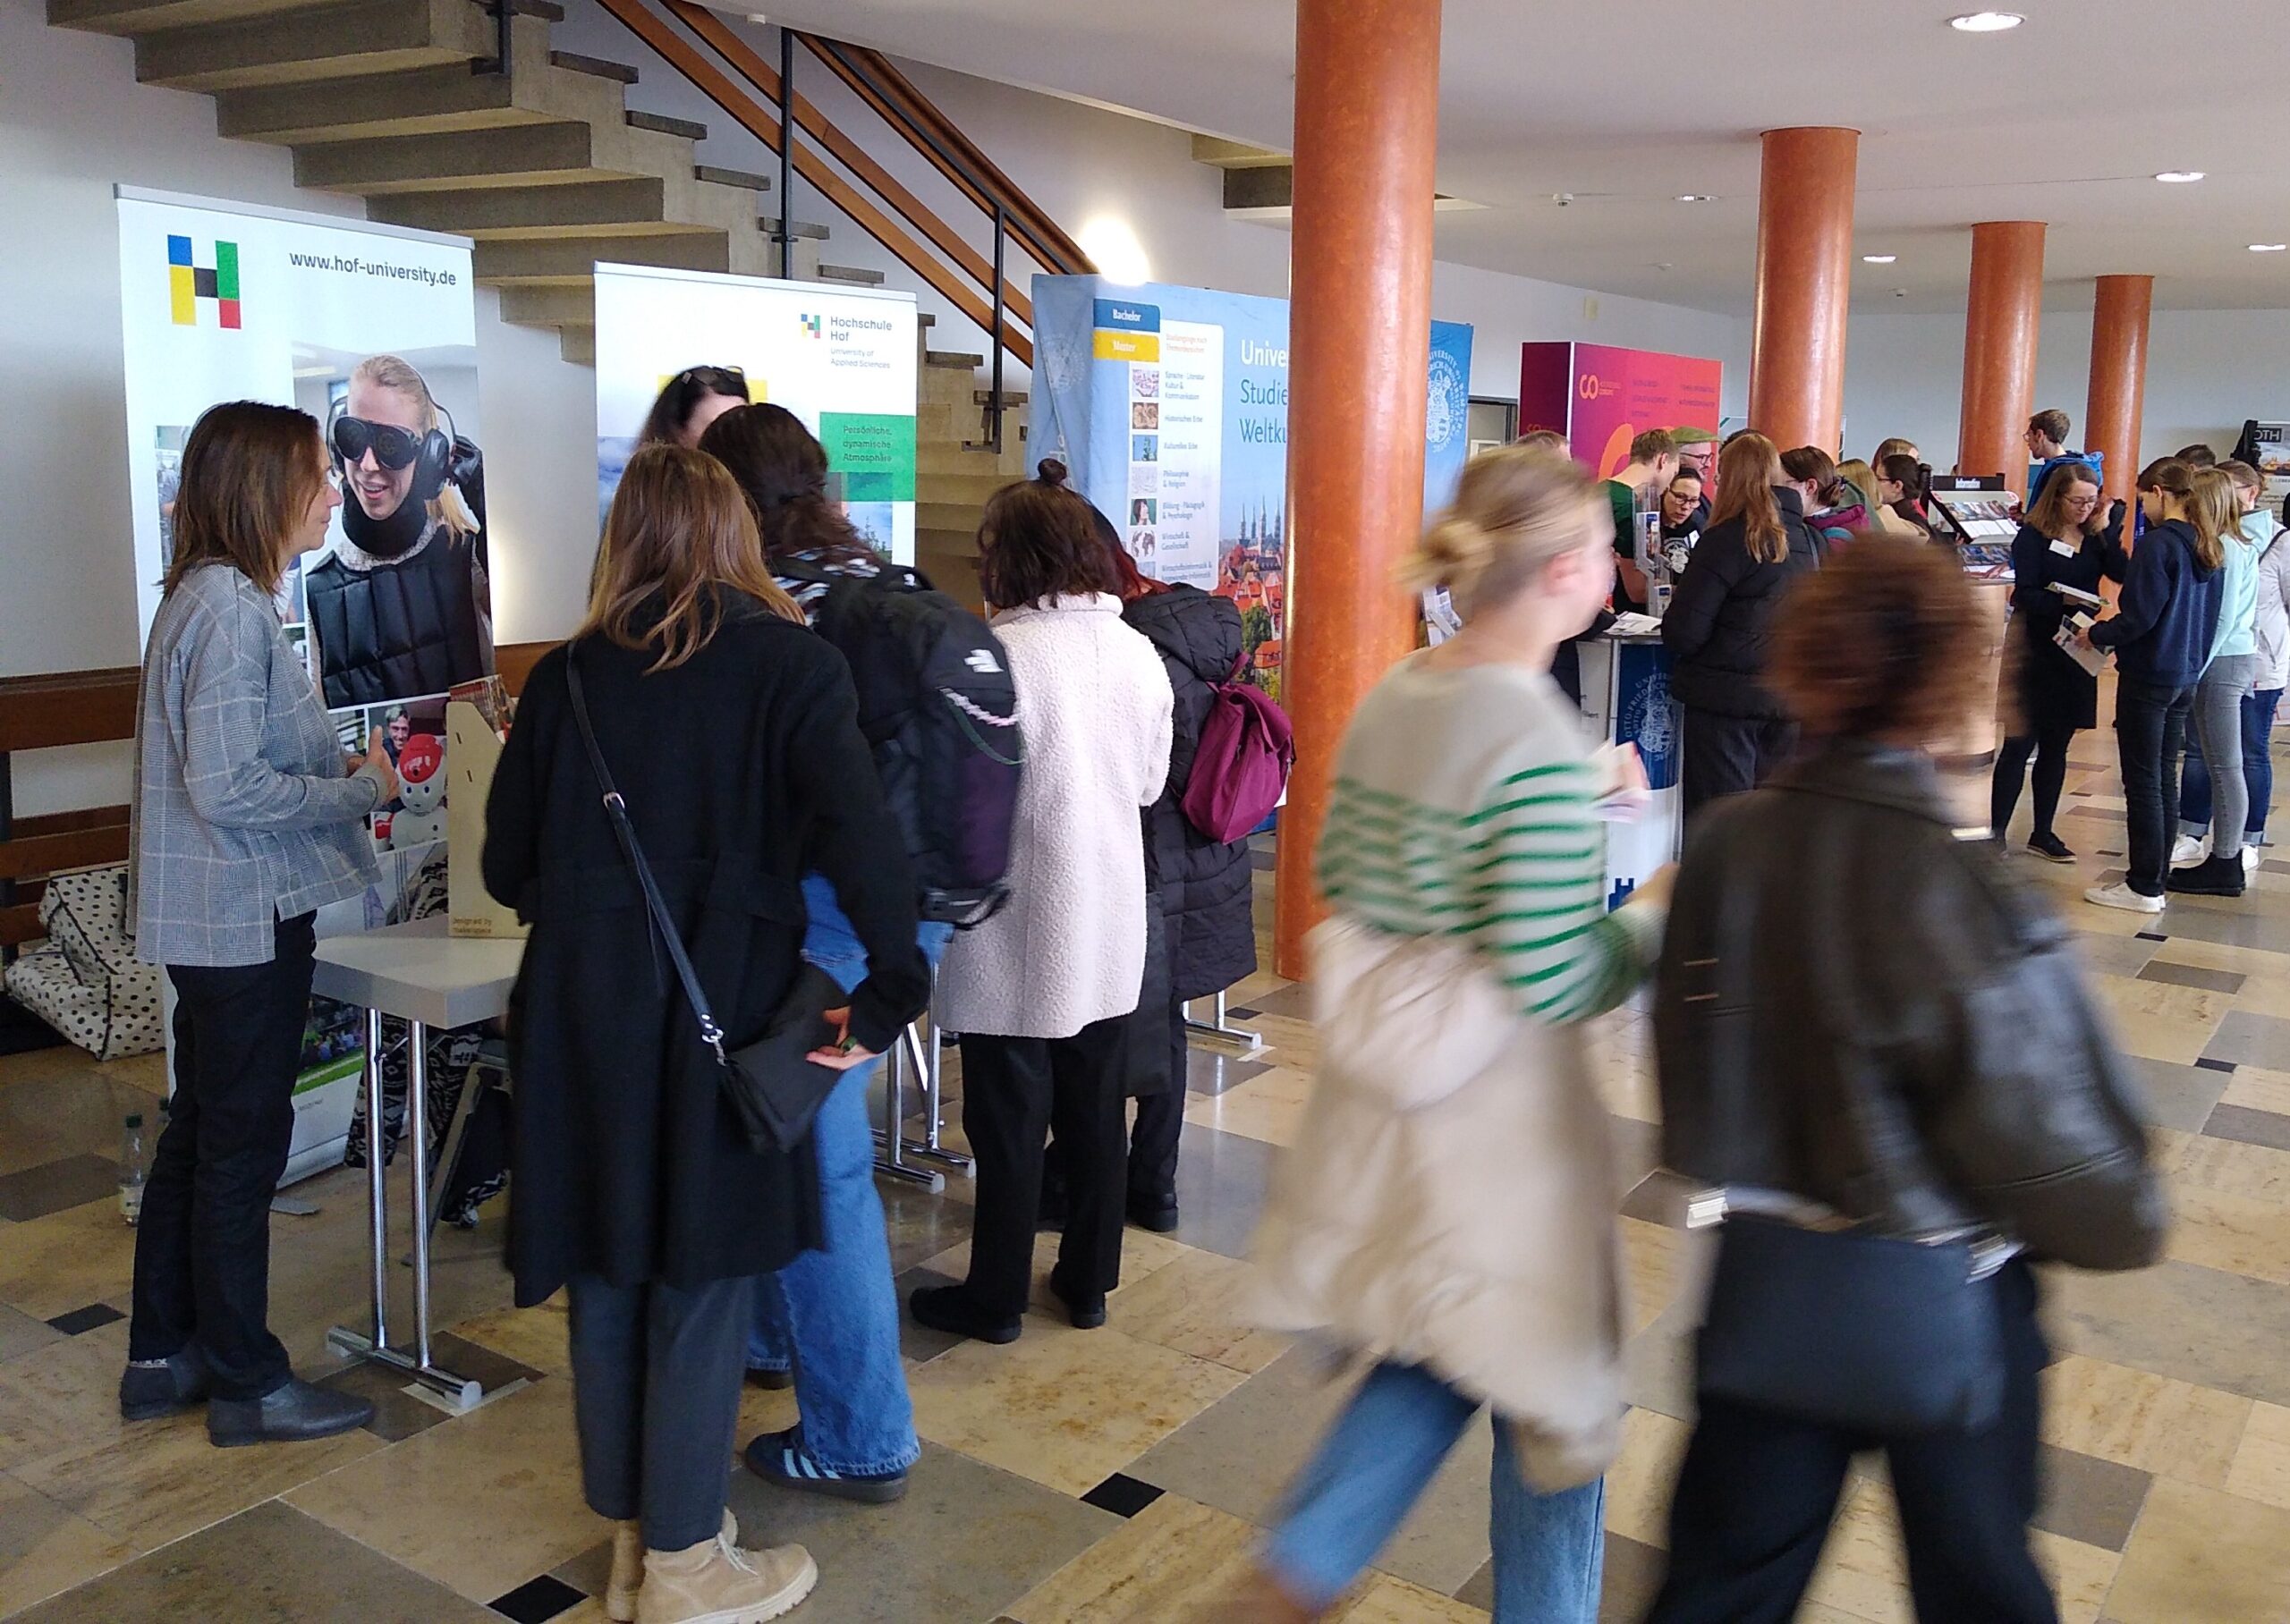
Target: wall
{"points": [[2206, 370]]}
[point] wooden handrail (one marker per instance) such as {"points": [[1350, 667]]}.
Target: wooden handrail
{"points": [[67, 708], [752, 67], [711, 82], [906, 109]]}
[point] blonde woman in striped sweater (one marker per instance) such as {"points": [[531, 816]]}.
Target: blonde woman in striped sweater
{"points": [[1447, 1212]]}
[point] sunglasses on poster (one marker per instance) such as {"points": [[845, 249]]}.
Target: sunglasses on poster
{"points": [[393, 447]]}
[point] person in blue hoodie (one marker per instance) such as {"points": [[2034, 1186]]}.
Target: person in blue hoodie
{"points": [[2161, 638]]}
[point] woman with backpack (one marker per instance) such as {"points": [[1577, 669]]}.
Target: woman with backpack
{"points": [[1043, 991], [826, 1324], [1446, 1212], [734, 734]]}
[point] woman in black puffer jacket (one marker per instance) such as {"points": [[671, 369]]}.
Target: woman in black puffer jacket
{"points": [[1719, 622]]}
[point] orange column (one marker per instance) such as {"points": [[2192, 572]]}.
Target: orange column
{"points": [[1359, 337], [2001, 316], [2112, 410], [1804, 280]]}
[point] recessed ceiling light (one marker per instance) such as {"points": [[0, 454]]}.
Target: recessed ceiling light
{"points": [[1695, 197], [2179, 177], [1986, 22], [1878, 258], [2269, 247]]}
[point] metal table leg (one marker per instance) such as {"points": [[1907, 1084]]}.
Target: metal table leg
{"points": [[1221, 1034], [376, 1347], [891, 1143]]}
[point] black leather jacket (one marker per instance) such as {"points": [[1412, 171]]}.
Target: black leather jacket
{"points": [[1856, 1007]]}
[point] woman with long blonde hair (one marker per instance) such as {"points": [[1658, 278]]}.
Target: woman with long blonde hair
{"points": [[1445, 1215], [1718, 625], [731, 735], [2214, 866]]}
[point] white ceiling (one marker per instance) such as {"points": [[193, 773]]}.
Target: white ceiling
{"points": [[1627, 102]]}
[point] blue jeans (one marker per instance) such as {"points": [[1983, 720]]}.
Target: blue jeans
{"points": [[1375, 1463], [833, 1313], [2257, 770]]}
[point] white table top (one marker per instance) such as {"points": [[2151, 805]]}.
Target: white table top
{"points": [[419, 971]]}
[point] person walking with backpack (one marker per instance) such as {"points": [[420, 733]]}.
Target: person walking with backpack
{"points": [[735, 735], [828, 1320], [1042, 992]]}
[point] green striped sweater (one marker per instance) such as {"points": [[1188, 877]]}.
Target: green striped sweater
{"points": [[1463, 806]]}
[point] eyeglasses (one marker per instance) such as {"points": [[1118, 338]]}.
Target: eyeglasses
{"points": [[715, 380], [393, 447]]}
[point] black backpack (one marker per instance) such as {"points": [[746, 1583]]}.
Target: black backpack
{"points": [[940, 712]]}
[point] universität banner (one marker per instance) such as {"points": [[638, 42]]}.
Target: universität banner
{"points": [[843, 359]]}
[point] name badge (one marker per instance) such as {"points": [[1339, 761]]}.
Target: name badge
{"points": [[2064, 549]]}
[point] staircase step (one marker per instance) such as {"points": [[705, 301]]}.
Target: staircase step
{"points": [[660, 124], [424, 101], [577, 345], [953, 357], [742, 178], [769, 227], [520, 155], [857, 275], [573, 62], [572, 261], [356, 36], [540, 305], [1011, 398], [132, 17], [589, 208]]}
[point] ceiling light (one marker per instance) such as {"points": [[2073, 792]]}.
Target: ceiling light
{"points": [[2269, 247], [1695, 197], [2179, 177], [1986, 22], [1878, 258]]}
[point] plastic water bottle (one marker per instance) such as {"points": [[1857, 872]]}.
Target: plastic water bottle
{"points": [[134, 1169]]}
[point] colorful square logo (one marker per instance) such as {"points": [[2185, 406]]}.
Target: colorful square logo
{"points": [[811, 326], [189, 282]]}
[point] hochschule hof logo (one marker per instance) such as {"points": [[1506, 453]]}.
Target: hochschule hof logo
{"points": [[188, 283], [812, 325]]}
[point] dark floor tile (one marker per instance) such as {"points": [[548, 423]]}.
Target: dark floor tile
{"points": [[86, 1319], [1235, 1011], [1661, 1196], [270, 1565], [1221, 1180], [1209, 1071], [1264, 862], [2144, 935], [2251, 1040], [537, 1601], [2233, 924], [590, 1572], [2209, 1064], [2190, 975], [966, 1542], [34, 1192], [2097, 815], [2177, 1097], [2084, 1497], [1295, 1002], [917, 1341], [1121, 1494], [2267, 1127]]}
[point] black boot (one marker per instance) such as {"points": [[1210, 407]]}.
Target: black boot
{"points": [[290, 1414], [149, 1391], [2213, 876], [951, 1309]]}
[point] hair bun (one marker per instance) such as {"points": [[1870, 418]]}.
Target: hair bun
{"points": [[1051, 471]]}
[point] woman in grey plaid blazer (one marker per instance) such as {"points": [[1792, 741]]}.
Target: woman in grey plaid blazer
{"points": [[248, 819]]}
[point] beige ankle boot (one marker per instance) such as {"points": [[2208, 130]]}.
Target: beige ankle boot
{"points": [[716, 1582], [627, 1573]]}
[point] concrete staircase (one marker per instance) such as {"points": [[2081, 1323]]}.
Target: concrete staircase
{"points": [[954, 471], [394, 101]]}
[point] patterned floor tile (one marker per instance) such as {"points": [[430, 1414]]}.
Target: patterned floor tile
{"points": [[2190, 975], [2171, 1429], [1221, 1178], [2256, 1088], [2267, 1127], [67, 1260], [2262, 1468], [45, 1549], [2090, 1500], [2203, 1557], [1197, 1305], [1268, 1106], [53, 1186], [1634, 1577], [2179, 1097], [1174, 1563]]}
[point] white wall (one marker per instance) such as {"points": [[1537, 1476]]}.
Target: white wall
{"points": [[2206, 370]]}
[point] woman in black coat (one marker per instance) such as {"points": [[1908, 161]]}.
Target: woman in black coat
{"points": [[2065, 542], [1719, 623], [733, 733]]}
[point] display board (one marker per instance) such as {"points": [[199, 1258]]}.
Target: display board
{"points": [[843, 359], [1602, 396], [1170, 407], [2269, 444], [372, 330]]}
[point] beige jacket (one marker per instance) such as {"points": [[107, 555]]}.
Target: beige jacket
{"points": [[1448, 1201]]}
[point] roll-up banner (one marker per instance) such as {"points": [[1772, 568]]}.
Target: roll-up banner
{"points": [[372, 330], [1170, 407], [843, 359]]}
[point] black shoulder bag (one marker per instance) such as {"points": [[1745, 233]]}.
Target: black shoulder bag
{"points": [[772, 1085]]}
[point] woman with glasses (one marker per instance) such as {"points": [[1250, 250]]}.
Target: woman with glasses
{"points": [[404, 606], [689, 402], [2063, 548]]}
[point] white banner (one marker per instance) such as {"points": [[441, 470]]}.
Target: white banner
{"points": [[843, 359]]}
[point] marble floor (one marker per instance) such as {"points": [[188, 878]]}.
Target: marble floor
{"points": [[1125, 1474]]}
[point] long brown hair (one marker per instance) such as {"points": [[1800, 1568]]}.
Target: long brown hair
{"points": [[1748, 469], [250, 473], [678, 531], [2216, 512], [781, 468], [2050, 514], [1882, 643], [1038, 541]]}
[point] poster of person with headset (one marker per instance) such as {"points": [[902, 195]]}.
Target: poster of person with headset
{"points": [[401, 603]]}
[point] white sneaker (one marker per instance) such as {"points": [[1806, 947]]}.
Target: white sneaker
{"points": [[2121, 895], [2250, 859], [2191, 850]]}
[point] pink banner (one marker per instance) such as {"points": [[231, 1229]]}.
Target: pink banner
{"points": [[1601, 396]]}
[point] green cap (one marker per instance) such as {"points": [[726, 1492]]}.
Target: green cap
{"points": [[1694, 433]]}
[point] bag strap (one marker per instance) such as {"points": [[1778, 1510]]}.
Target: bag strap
{"points": [[617, 811]]}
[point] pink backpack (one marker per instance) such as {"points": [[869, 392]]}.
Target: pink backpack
{"points": [[1241, 769]]}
